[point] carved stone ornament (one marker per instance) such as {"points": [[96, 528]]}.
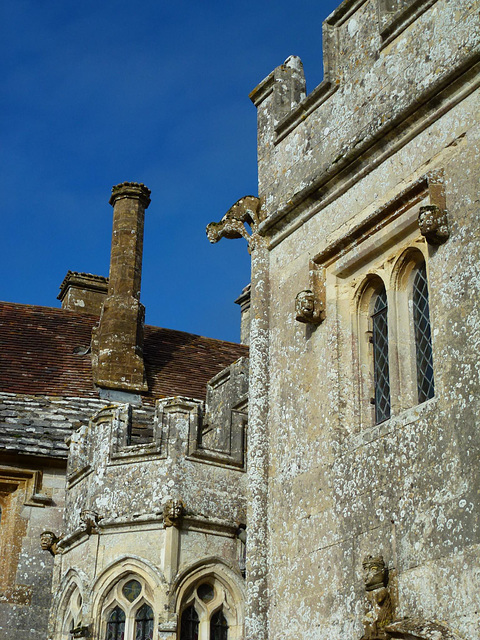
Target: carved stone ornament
{"points": [[48, 542], [379, 610], [80, 632], [232, 225], [90, 520], [433, 223], [173, 512], [306, 310]]}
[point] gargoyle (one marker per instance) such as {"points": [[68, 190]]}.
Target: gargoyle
{"points": [[232, 225]]}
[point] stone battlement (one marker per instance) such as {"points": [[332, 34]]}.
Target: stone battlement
{"points": [[389, 67]]}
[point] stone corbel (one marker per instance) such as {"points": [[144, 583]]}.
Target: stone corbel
{"points": [[247, 210], [90, 520], [310, 304], [433, 223], [173, 513], [433, 217], [49, 541]]}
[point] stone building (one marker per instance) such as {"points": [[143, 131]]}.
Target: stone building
{"points": [[122, 488], [361, 489]]}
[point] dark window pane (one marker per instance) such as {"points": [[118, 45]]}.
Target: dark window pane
{"points": [[189, 624], [218, 627], [380, 358], [131, 590], [116, 625], [205, 592], [144, 623], [423, 336]]}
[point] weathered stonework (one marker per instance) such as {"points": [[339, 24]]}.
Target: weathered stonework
{"points": [[118, 340], [158, 503], [343, 173], [83, 292], [352, 512]]}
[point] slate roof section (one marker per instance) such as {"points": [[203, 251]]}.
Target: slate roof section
{"points": [[37, 355]]}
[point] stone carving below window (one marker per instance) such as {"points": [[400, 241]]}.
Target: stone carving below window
{"points": [[80, 632]]}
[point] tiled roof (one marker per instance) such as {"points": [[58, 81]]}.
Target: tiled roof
{"points": [[37, 355]]}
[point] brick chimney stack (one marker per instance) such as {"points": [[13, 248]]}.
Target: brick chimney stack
{"points": [[117, 345]]}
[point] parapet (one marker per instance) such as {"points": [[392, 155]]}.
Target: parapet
{"points": [[388, 64]]}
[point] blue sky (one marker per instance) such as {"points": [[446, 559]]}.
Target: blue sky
{"points": [[95, 93]]}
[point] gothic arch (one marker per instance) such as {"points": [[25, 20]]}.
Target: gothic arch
{"points": [[63, 608], [123, 569], [227, 588]]}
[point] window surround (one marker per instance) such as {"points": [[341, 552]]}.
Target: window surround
{"points": [[384, 243], [229, 597], [115, 597]]}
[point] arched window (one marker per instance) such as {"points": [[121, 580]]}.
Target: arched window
{"points": [[218, 627], [144, 623], [423, 335], [116, 625], [71, 609], [127, 614], [189, 624], [380, 356]]}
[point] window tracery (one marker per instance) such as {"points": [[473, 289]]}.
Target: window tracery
{"points": [[208, 612], [127, 612], [72, 617]]}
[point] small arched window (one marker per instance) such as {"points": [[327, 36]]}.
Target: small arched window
{"points": [[144, 623], [381, 373], [189, 624], [218, 627], [116, 625], [423, 335]]}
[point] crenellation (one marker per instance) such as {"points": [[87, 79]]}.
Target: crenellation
{"points": [[323, 483]]}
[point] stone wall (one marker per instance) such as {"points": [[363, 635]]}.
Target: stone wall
{"points": [[156, 495], [342, 175]]}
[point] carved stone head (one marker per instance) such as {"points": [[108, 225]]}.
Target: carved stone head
{"points": [[374, 572], [48, 542], [305, 306], [433, 224], [90, 519], [173, 512]]}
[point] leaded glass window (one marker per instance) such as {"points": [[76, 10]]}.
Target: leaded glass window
{"points": [[380, 357], [218, 627], [423, 336], [132, 589], [189, 624], [116, 625], [144, 623]]}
